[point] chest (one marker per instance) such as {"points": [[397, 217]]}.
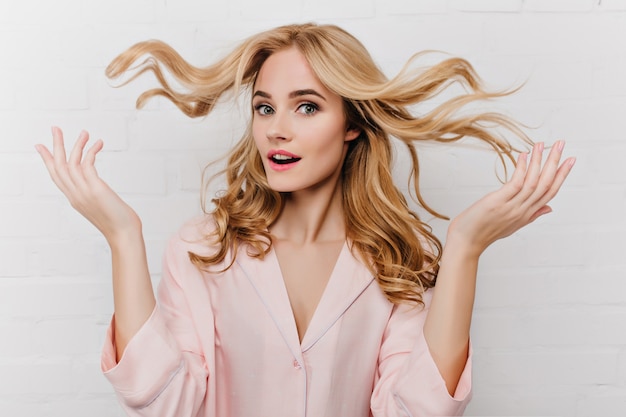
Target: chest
{"points": [[252, 298], [305, 272]]}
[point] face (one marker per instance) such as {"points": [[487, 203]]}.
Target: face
{"points": [[299, 126]]}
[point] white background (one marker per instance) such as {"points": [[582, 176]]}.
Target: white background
{"points": [[549, 329]]}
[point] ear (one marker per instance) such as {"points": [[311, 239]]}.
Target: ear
{"points": [[352, 134]]}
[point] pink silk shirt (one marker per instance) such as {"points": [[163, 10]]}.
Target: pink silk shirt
{"points": [[226, 345]]}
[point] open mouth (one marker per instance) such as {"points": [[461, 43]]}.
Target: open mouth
{"points": [[281, 159]]}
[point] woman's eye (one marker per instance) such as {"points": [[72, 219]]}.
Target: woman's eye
{"points": [[307, 108], [263, 109]]}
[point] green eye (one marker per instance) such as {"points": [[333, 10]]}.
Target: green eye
{"points": [[264, 109], [307, 108]]}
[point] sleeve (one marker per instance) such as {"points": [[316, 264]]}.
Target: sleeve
{"points": [[163, 371], [408, 383]]}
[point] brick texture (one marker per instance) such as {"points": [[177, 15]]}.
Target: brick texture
{"points": [[550, 312]]}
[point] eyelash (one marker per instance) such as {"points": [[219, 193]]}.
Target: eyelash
{"points": [[259, 107], [312, 105]]}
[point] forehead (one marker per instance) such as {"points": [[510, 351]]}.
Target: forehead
{"points": [[285, 71]]}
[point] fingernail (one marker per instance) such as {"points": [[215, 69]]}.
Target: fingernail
{"points": [[540, 146], [560, 145]]}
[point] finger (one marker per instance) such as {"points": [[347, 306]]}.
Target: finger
{"points": [[58, 147], [90, 159], [50, 158], [514, 185], [532, 174], [46, 156], [543, 210], [63, 179], [48, 161], [77, 152], [75, 169], [559, 179], [548, 173]]}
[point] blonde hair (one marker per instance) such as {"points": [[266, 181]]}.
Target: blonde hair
{"points": [[400, 249]]}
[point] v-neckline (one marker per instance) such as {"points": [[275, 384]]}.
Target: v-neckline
{"points": [[278, 267], [348, 279]]}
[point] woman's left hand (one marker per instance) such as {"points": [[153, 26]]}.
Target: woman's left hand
{"points": [[517, 203]]}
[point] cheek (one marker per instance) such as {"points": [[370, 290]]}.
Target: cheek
{"points": [[334, 135]]}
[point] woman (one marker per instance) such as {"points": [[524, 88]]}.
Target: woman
{"points": [[308, 289]]}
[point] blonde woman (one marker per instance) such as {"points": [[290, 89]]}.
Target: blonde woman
{"points": [[309, 288]]}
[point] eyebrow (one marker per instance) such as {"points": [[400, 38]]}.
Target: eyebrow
{"points": [[293, 94]]}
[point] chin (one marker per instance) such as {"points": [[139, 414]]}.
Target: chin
{"points": [[281, 188], [285, 186]]}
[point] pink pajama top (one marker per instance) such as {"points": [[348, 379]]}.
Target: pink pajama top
{"points": [[226, 345]]}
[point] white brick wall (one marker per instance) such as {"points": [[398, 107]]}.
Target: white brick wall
{"points": [[550, 324]]}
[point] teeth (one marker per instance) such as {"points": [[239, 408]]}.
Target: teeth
{"points": [[281, 157]]}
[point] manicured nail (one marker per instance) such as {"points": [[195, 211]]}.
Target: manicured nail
{"points": [[560, 145]]}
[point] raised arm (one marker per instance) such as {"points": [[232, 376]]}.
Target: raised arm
{"points": [[77, 178], [497, 215]]}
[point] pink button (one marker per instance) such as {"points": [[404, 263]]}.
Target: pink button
{"points": [[296, 364]]}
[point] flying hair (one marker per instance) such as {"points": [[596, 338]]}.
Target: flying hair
{"points": [[400, 249]]}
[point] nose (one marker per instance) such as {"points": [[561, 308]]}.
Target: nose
{"points": [[279, 127]]}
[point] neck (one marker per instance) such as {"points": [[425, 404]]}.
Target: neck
{"points": [[311, 216]]}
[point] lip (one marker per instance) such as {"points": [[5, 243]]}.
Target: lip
{"points": [[281, 167], [274, 152]]}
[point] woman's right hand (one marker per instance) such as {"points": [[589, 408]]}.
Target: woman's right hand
{"points": [[77, 178]]}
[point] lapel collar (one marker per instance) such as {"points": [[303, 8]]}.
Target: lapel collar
{"points": [[346, 283], [348, 280], [266, 278]]}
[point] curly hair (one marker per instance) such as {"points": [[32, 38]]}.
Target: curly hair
{"points": [[401, 250]]}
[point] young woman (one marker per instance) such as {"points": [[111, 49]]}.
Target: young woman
{"points": [[309, 287]]}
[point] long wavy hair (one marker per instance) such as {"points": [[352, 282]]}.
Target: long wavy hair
{"points": [[400, 249]]}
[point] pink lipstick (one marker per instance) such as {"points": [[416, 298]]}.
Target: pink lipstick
{"points": [[281, 160]]}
